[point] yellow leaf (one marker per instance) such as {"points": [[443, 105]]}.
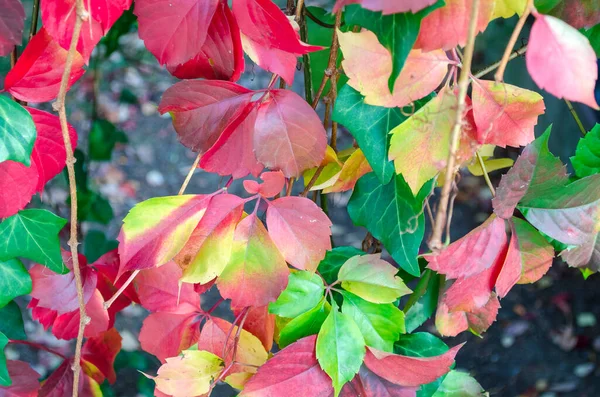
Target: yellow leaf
{"points": [[355, 167], [490, 165], [508, 8]]}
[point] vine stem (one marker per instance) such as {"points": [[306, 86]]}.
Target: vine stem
{"points": [[36, 346], [134, 274], [576, 117], [485, 174], [435, 243], [499, 76], [59, 105], [34, 18]]}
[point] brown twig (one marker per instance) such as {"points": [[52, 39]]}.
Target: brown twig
{"points": [[499, 76], [299, 8], [331, 71], [59, 105], [312, 181], [435, 243]]}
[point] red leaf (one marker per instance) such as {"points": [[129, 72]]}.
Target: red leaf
{"points": [[294, 371], [12, 21], [24, 380], [221, 57], [387, 6], [448, 26], [271, 59], [167, 334], [108, 267], [289, 135], [49, 153], [37, 74], [174, 31], [271, 186], [17, 186], [368, 384], [300, 230], [478, 321], [98, 356], [60, 383], [260, 323], [409, 371], [561, 60]]}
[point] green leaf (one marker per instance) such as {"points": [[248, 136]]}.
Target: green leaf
{"points": [[95, 244], [380, 324], [124, 25], [33, 234], [4, 377], [396, 32], [458, 384], [393, 215], [17, 132], [423, 301], [303, 292], [306, 324], [593, 35], [587, 156], [545, 6], [102, 140], [340, 348], [12, 322], [333, 261], [14, 280], [420, 344], [93, 207]]}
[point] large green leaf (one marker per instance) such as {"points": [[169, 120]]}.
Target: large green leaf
{"points": [[303, 292], [4, 377], [380, 324], [12, 322], [340, 348], [587, 156], [334, 260], [423, 301], [396, 32], [393, 215], [33, 234], [420, 344], [306, 324], [14, 280], [17, 132]]}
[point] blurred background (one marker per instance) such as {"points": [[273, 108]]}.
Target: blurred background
{"points": [[546, 340]]}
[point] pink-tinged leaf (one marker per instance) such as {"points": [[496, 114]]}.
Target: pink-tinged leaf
{"points": [[273, 183], [60, 383], [536, 173], [233, 154], [353, 169], [505, 115], [208, 249], [409, 371], [12, 21], [293, 371], [174, 31], [202, 288], [98, 356], [155, 230], [260, 323], [477, 321], [17, 186], [263, 22], [368, 384], [108, 268], [256, 273], [221, 57], [213, 338], [58, 291], [448, 26], [387, 6], [586, 255], [49, 153], [561, 60], [37, 74], [203, 109], [59, 17], [24, 380], [167, 334], [472, 254], [368, 65], [289, 135], [300, 230], [271, 59], [159, 290]]}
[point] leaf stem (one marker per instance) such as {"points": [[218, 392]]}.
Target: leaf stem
{"points": [[34, 18], [499, 76], [576, 117], [435, 243], [190, 173], [37, 346], [485, 174]]}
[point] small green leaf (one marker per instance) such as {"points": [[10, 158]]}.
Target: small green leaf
{"points": [[453, 384], [587, 156], [333, 261], [12, 322], [340, 348], [95, 244], [14, 280], [93, 207], [303, 292], [372, 279], [102, 140], [4, 377], [420, 344], [306, 324], [17, 132], [423, 301], [33, 234], [380, 325], [593, 35]]}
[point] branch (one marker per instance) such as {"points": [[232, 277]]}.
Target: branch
{"points": [[331, 72], [59, 105], [435, 243], [513, 39]]}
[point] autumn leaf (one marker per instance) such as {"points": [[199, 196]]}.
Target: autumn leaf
{"points": [[586, 255], [17, 187], [260, 323], [351, 171], [505, 115], [477, 321], [60, 382], [98, 356], [24, 380], [369, 65], [165, 334], [387, 6], [508, 8], [561, 60], [272, 184], [577, 13], [12, 22]]}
